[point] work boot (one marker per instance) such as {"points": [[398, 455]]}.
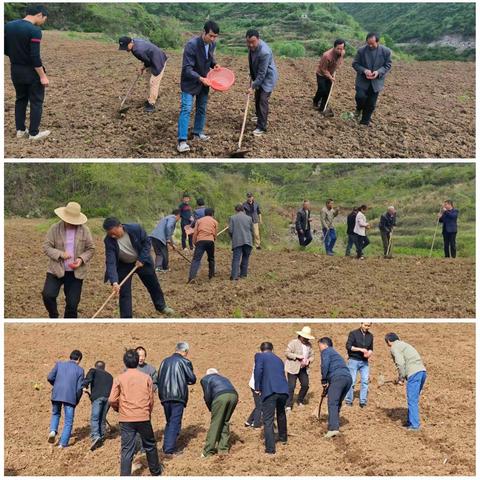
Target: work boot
{"points": [[201, 136], [51, 437], [169, 312], [258, 132], [332, 433], [22, 133], [40, 135], [148, 107], [183, 147]]}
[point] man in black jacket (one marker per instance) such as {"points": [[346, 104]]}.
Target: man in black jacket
{"points": [[350, 233], [100, 382], [221, 399], [302, 224], [387, 223], [174, 376]]}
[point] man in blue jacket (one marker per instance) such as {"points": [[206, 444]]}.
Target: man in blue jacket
{"points": [[272, 386], [162, 237], [67, 381], [336, 382], [264, 77], [448, 218], [128, 246], [198, 59]]}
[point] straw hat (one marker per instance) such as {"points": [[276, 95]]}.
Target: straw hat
{"points": [[71, 214], [306, 332]]}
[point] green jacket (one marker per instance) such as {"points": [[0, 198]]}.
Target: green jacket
{"points": [[407, 359]]}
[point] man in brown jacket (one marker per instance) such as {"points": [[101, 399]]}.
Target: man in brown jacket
{"points": [[132, 397], [299, 355], [69, 246]]}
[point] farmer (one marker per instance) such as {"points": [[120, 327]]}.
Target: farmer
{"points": [[351, 218], [162, 237], [127, 246], [272, 387], [154, 59], [204, 236], [174, 376], [100, 383], [22, 45], [387, 223], [303, 224], [263, 77], [186, 219], [255, 419], [221, 399], [252, 209], [199, 212], [336, 382], [67, 380], [198, 59], [132, 397], [327, 215], [372, 63], [300, 356], [411, 368], [69, 247], [359, 350], [241, 231], [360, 231], [145, 367], [329, 62], [448, 218]]}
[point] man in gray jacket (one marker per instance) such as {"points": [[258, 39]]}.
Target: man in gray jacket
{"points": [[372, 63], [161, 237], [241, 231], [264, 76]]}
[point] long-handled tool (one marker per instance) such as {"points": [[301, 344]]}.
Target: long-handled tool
{"points": [[324, 394], [381, 381], [113, 293], [221, 231], [434, 236], [123, 109], [389, 246], [181, 254], [239, 153], [329, 95]]}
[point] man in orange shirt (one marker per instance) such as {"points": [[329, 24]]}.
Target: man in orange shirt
{"points": [[132, 398], [204, 236]]}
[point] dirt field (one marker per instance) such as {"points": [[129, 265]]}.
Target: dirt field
{"points": [[289, 284], [373, 442], [426, 110]]}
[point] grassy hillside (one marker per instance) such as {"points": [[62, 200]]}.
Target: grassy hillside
{"points": [[143, 192]]}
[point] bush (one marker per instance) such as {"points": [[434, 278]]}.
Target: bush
{"points": [[289, 49]]}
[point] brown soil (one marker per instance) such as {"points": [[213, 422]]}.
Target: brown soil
{"points": [[289, 284], [427, 110], [373, 441]]}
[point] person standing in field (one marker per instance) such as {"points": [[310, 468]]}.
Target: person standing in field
{"points": [[303, 224], [252, 209], [327, 216], [360, 231], [162, 237], [388, 221], [22, 39], [351, 218], [69, 247], [199, 212], [448, 219], [241, 231], [186, 220]]}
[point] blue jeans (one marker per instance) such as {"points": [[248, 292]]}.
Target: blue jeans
{"points": [[356, 366], [329, 238], [69, 411], [99, 417], [415, 385], [240, 258], [186, 105], [173, 414]]}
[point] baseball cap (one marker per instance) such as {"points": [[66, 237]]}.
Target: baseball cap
{"points": [[123, 43]]}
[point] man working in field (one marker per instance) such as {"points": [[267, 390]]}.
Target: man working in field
{"points": [[127, 246], [372, 63], [329, 63], [241, 231], [162, 237], [252, 209], [186, 219], [388, 221], [448, 218], [154, 59], [22, 45], [303, 224], [327, 215]]}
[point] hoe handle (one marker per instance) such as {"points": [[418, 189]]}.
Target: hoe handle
{"points": [[244, 123]]}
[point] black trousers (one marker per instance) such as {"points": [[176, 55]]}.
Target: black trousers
{"points": [[256, 417], [184, 236], [366, 102], [450, 244], [128, 433], [149, 278], [28, 89], [72, 287], [200, 248], [385, 241], [161, 253], [275, 403], [337, 391], [304, 238], [302, 376], [360, 243], [261, 108], [324, 85]]}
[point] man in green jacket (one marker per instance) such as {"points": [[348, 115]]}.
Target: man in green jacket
{"points": [[410, 368]]}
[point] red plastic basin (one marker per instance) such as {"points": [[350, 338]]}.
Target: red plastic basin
{"points": [[221, 79]]}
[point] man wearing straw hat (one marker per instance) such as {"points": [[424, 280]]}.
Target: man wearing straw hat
{"points": [[299, 355], [387, 223], [69, 246]]}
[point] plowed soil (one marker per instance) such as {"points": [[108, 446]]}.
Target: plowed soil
{"points": [[288, 284], [373, 441], [427, 110]]}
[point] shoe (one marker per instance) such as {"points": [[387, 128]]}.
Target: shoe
{"points": [[61, 447], [22, 133], [300, 404], [288, 409], [330, 254], [365, 124], [136, 466], [191, 280], [168, 311], [349, 404], [40, 135], [363, 405], [254, 119], [259, 248], [161, 270], [234, 279], [362, 258], [183, 147], [332, 433], [357, 115], [148, 107], [201, 136], [51, 437], [258, 133], [247, 424], [413, 429], [97, 442]]}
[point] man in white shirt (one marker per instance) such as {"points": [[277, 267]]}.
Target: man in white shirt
{"points": [[360, 231]]}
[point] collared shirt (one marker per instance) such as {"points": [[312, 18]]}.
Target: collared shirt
{"points": [[70, 246], [206, 50], [205, 229], [327, 216], [329, 62], [357, 338], [127, 254]]}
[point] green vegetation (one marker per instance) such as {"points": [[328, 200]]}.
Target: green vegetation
{"points": [[145, 192]]}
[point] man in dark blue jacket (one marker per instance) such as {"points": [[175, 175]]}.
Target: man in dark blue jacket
{"points": [[388, 221], [67, 381], [221, 399], [271, 384], [128, 246], [336, 382], [448, 218], [198, 59]]}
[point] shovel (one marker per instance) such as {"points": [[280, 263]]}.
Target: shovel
{"points": [[224, 230], [123, 109], [329, 96], [389, 247], [181, 254], [239, 153], [324, 394]]}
